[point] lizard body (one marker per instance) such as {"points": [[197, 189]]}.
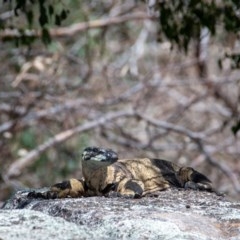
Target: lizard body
{"points": [[139, 177], [106, 175]]}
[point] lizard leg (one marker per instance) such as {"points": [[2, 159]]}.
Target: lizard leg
{"points": [[202, 187], [130, 188], [70, 188], [193, 179]]}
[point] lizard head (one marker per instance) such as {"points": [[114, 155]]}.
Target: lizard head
{"points": [[99, 154]]}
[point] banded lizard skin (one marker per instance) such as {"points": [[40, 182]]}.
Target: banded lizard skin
{"points": [[106, 175]]}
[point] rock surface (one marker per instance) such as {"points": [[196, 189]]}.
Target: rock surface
{"points": [[174, 214]]}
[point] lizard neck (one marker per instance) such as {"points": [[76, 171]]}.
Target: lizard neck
{"points": [[88, 167]]}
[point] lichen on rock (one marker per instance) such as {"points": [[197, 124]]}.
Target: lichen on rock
{"points": [[173, 214]]}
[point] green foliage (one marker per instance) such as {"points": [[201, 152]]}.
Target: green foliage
{"points": [[27, 139], [83, 142], [234, 59], [181, 20], [42, 13], [47, 11], [236, 127], [64, 159], [46, 38]]}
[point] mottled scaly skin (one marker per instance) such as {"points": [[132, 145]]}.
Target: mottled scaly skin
{"points": [[139, 177], [105, 175]]}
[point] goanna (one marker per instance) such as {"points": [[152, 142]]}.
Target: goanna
{"points": [[106, 175]]}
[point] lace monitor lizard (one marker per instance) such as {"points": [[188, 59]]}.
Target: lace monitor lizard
{"points": [[106, 175]]}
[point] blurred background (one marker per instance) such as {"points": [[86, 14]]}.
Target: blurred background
{"points": [[147, 79]]}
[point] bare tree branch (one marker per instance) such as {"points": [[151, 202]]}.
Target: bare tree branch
{"points": [[26, 119], [198, 139], [121, 66], [223, 167], [171, 127], [78, 27], [17, 167]]}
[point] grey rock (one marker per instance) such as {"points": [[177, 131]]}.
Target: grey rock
{"points": [[173, 214], [29, 224]]}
